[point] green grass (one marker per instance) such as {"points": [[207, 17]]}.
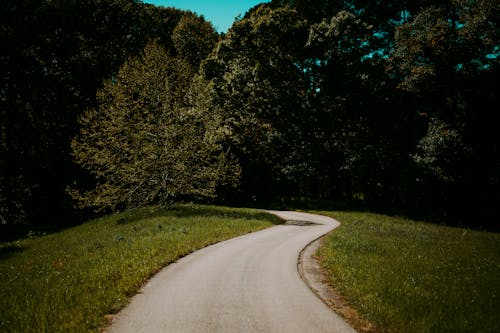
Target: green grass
{"points": [[69, 281], [408, 276]]}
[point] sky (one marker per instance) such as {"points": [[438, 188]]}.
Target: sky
{"points": [[220, 12]]}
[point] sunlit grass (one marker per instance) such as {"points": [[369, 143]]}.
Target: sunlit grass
{"points": [[69, 281], [406, 276]]}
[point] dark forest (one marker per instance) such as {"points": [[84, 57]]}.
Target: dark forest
{"points": [[107, 105]]}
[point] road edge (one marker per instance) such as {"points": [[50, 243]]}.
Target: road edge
{"points": [[314, 276]]}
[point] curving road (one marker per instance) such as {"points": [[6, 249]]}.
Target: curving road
{"points": [[246, 284]]}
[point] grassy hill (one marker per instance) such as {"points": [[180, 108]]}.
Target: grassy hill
{"points": [[401, 275], [72, 280], [408, 276]]}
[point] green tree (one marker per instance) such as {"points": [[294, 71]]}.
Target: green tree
{"points": [[346, 95], [150, 139], [447, 58], [260, 87], [53, 59], [442, 153], [194, 38], [54, 55]]}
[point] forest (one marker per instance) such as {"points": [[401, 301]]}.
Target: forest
{"points": [[107, 105]]}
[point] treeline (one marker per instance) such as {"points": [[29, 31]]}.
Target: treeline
{"points": [[390, 104]]}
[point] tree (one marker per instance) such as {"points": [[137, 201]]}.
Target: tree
{"points": [[447, 59], [346, 97], [54, 57], [260, 87], [194, 38], [442, 153], [150, 139]]}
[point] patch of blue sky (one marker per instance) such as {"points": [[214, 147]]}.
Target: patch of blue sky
{"points": [[222, 13], [404, 16], [495, 54]]}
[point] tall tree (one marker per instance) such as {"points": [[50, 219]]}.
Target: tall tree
{"points": [[447, 57], [260, 87], [356, 152], [53, 56], [149, 140], [53, 59], [194, 38]]}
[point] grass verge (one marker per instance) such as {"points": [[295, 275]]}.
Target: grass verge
{"points": [[69, 281], [408, 276]]}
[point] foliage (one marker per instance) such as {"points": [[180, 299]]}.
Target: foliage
{"points": [[384, 77], [408, 276], [445, 57], [194, 38], [392, 103], [146, 142], [342, 82], [441, 151], [69, 281], [53, 59], [259, 87], [55, 56]]}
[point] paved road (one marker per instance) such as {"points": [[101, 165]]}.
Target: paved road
{"points": [[246, 284]]}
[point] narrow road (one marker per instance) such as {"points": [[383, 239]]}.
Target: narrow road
{"points": [[246, 284]]}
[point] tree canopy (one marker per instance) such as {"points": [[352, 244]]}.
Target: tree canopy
{"points": [[392, 104], [146, 142], [54, 57]]}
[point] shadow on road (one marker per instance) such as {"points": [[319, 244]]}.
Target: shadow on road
{"points": [[301, 223]]}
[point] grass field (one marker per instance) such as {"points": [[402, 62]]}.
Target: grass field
{"points": [[71, 280], [407, 276]]}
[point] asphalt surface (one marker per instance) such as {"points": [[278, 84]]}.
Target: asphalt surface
{"points": [[246, 284]]}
